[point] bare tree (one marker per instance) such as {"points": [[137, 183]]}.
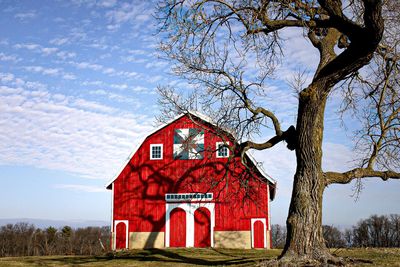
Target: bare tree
{"points": [[22, 239], [227, 49], [333, 237], [278, 234]]}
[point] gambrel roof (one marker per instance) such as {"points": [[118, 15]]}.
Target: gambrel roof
{"points": [[205, 119]]}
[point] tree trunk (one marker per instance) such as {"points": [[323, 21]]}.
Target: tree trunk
{"points": [[305, 240]]}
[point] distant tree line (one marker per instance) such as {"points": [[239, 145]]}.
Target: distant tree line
{"points": [[375, 231], [23, 239]]}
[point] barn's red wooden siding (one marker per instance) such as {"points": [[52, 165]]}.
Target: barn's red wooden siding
{"points": [[139, 191]]}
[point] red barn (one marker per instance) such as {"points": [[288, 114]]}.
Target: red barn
{"points": [[187, 186]]}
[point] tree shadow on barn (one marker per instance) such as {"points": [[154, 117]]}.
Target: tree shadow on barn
{"points": [[140, 199], [152, 188]]}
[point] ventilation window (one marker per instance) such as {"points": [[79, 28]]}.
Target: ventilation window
{"points": [[222, 150], [156, 151]]}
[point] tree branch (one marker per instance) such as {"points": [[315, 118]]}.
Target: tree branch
{"points": [[357, 173]]}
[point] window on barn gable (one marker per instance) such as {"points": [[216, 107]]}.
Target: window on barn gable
{"points": [[156, 151], [222, 150]]}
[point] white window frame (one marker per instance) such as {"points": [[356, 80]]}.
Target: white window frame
{"points": [[151, 151], [217, 149]]}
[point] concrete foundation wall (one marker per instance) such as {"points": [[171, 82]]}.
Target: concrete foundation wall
{"points": [[222, 239], [146, 240], [232, 239]]}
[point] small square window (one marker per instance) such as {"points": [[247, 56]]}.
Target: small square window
{"points": [[156, 151], [222, 150]]}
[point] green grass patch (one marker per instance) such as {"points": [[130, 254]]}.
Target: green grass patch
{"points": [[197, 257]]}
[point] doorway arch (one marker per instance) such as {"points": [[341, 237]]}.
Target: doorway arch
{"points": [[121, 234], [258, 233], [202, 228], [177, 236]]}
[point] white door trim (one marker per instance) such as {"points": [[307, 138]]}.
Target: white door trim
{"points": [[263, 220], [189, 209]]}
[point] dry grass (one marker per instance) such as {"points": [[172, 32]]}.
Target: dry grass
{"points": [[197, 257], [377, 256]]}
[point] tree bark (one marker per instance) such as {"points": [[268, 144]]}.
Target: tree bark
{"points": [[304, 223]]}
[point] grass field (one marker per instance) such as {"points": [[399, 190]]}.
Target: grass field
{"points": [[197, 257]]}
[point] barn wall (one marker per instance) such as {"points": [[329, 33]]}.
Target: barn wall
{"points": [[140, 188]]}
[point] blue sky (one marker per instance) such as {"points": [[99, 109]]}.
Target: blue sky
{"points": [[77, 92]]}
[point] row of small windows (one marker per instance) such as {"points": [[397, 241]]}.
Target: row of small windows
{"points": [[156, 150], [194, 196]]}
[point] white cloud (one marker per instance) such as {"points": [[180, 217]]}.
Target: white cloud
{"points": [[59, 41], [6, 77], [105, 70], [43, 70], [87, 65], [82, 188], [134, 13], [4, 57], [106, 3], [50, 72], [109, 71], [60, 132], [120, 86], [96, 83], [49, 50], [28, 46], [26, 15], [89, 105], [137, 52], [45, 51], [156, 64], [69, 76], [134, 59], [10, 79], [117, 97]]}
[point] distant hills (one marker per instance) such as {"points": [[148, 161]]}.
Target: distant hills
{"points": [[44, 223]]}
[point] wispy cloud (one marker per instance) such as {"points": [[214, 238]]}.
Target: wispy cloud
{"points": [[13, 58], [55, 131], [81, 188], [59, 41], [105, 70], [128, 13], [23, 16], [117, 97], [45, 51], [43, 70]]}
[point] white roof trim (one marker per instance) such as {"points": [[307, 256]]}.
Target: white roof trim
{"points": [[260, 168], [204, 118]]}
